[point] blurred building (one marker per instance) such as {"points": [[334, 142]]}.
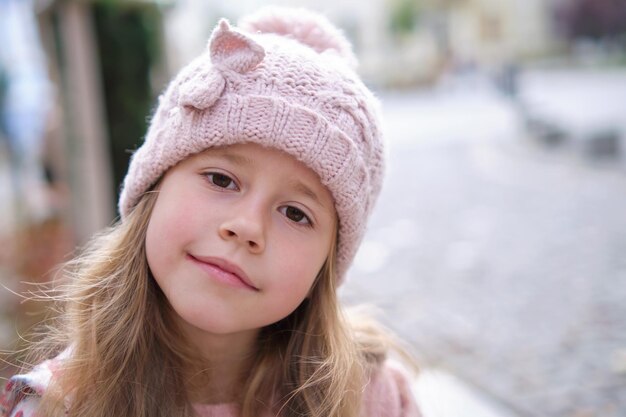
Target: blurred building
{"points": [[189, 25], [494, 32], [399, 42]]}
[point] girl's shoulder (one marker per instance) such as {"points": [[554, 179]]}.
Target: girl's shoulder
{"points": [[389, 392], [21, 394]]}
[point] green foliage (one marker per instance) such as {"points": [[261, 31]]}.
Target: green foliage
{"points": [[129, 45], [403, 17]]}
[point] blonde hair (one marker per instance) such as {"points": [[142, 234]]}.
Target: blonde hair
{"points": [[127, 354]]}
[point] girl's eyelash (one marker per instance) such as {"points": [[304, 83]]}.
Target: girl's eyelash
{"points": [[299, 212], [220, 180]]}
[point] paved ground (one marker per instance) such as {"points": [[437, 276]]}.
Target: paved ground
{"points": [[500, 259]]}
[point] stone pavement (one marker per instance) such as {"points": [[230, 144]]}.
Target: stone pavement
{"points": [[500, 260]]}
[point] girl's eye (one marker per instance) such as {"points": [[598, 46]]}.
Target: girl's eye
{"points": [[296, 215], [221, 180]]}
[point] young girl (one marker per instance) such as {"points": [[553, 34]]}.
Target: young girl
{"points": [[215, 294]]}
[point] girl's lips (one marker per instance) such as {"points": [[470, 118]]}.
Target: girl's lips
{"points": [[223, 271]]}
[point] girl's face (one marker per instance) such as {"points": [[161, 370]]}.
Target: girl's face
{"points": [[237, 237]]}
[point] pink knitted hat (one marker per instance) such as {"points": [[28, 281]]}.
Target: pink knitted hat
{"points": [[285, 79]]}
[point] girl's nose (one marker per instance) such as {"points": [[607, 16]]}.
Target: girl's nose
{"points": [[245, 230]]}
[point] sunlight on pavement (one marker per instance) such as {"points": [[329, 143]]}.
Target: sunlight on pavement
{"points": [[441, 394]]}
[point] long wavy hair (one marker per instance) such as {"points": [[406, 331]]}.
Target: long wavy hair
{"points": [[127, 356]]}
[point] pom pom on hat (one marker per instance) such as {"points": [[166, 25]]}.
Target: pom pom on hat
{"points": [[309, 28]]}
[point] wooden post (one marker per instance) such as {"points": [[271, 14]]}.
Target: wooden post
{"points": [[92, 197]]}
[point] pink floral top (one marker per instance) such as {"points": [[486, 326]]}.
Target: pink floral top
{"points": [[388, 394], [20, 397]]}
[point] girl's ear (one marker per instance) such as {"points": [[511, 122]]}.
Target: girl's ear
{"points": [[231, 49]]}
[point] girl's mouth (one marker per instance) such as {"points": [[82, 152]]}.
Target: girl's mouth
{"points": [[223, 271]]}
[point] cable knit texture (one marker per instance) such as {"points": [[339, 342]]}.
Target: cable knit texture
{"points": [[285, 79]]}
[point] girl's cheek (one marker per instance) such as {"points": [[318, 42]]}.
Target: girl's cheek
{"points": [[179, 212], [306, 270]]}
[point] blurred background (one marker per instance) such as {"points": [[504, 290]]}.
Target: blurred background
{"points": [[498, 247]]}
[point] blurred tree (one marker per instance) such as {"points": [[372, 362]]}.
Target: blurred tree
{"points": [[403, 17], [129, 41]]}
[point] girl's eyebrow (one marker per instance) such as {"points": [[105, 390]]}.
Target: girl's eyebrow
{"points": [[302, 188]]}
